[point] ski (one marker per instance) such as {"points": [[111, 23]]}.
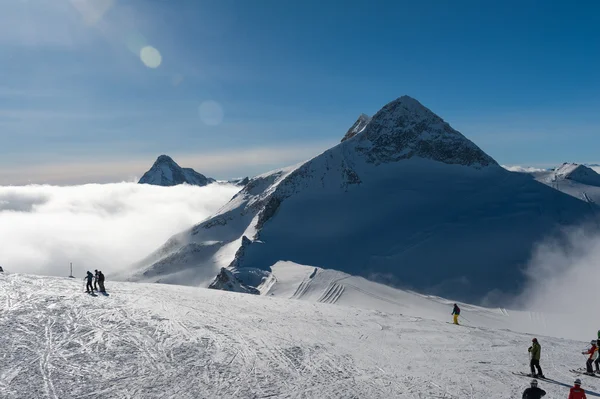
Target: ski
{"points": [[460, 325], [581, 372], [527, 375]]}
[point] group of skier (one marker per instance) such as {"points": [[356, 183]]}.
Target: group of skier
{"points": [[576, 392], [535, 351], [97, 280]]}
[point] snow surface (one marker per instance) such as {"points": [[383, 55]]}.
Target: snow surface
{"points": [[407, 200], [167, 341]]}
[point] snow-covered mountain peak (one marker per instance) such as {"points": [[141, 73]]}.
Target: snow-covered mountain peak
{"points": [[404, 128], [575, 172], [166, 172]]}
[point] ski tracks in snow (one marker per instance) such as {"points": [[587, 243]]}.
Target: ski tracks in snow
{"points": [[160, 341]]}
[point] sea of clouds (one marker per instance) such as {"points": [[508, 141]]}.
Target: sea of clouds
{"points": [[96, 226]]}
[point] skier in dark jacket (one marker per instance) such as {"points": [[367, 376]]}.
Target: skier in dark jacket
{"points": [[101, 281], [536, 351], [90, 277], [456, 313], [533, 392]]}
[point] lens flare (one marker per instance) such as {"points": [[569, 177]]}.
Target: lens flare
{"points": [[150, 57], [211, 112]]}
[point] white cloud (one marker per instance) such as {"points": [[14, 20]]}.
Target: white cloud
{"points": [[522, 169], [563, 277], [105, 227]]}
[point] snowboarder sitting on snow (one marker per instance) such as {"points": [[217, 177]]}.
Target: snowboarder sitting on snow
{"points": [[593, 352], [577, 392], [536, 350], [533, 392], [456, 313], [88, 287], [101, 281]]}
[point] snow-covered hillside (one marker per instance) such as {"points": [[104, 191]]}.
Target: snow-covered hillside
{"points": [[407, 200], [167, 341], [166, 172], [577, 180]]}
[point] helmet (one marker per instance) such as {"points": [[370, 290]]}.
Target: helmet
{"points": [[534, 383], [593, 342], [534, 340], [578, 382]]}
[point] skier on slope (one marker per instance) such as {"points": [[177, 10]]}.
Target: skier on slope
{"points": [[535, 350], [88, 287], [101, 281], [593, 355], [577, 392], [456, 313], [533, 392]]}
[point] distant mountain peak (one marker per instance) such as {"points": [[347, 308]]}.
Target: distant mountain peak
{"points": [[576, 172], [404, 128], [166, 172], [165, 159]]}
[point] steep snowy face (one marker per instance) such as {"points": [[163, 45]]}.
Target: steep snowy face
{"points": [[577, 173], [405, 129], [360, 124], [166, 172]]}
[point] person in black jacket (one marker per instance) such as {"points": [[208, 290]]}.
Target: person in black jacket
{"points": [[533, 392], [89, 277], [456, 313], [101, 281]]}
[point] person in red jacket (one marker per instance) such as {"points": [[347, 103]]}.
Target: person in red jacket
{"points": [[577, 392], [593, 352]]}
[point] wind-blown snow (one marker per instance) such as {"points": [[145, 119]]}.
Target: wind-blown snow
{"points": [[163, 341]]}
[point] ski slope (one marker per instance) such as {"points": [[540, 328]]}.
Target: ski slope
{"points": [[167, 341]]}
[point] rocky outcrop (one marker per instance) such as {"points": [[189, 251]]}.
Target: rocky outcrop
{"points": [[226, 281]]}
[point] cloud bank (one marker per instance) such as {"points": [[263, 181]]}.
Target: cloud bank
{"points": [[563, 278], [96, 226], [522, 169]]}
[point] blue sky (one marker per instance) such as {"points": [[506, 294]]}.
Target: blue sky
{"points": [[242, 87]]}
